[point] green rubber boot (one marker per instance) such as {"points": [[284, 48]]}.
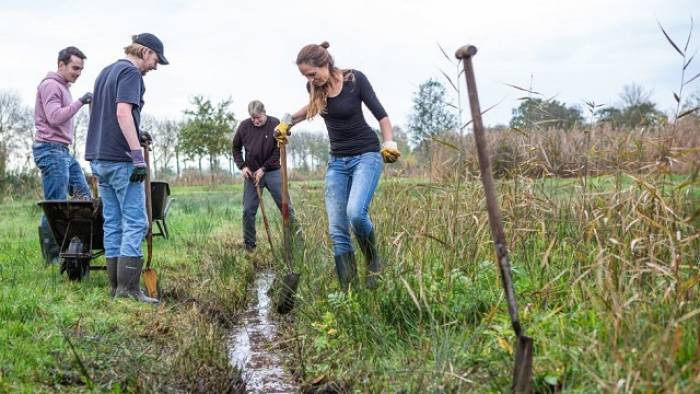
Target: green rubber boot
{"points": [[346, 269], [49, 248], [368, 246], [112, 275], [129, 279]]}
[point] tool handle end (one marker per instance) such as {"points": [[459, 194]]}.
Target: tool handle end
{"points": [[465, 52]]}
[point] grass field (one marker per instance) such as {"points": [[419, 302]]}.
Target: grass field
{"points": [[607, 282], [121, 345]]}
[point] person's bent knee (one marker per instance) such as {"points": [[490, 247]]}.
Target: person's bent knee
{"points": [[358, 218]]}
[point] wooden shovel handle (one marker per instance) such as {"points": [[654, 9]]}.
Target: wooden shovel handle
{"points": [[149, 234], [267, 224], [465, 54], [285, 208]]}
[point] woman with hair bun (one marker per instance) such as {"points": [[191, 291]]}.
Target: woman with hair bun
{"points": [[356, 157]]}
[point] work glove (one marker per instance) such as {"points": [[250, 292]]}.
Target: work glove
{"points": [[86, 98], [390, 151], [145, 138], [140, 169], [282, 129]]}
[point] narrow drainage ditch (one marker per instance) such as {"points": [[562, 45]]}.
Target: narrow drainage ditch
{"points": [[251, 347]]}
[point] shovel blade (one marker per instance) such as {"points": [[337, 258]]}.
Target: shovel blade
{"points": [[522, 372], [285, 302], [150, 280]]}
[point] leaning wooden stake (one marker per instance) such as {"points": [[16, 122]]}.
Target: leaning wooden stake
{"points": [[522, 372], [290, 281]]}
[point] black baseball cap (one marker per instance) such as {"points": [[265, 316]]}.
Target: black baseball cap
{"points": [[152, 42]]}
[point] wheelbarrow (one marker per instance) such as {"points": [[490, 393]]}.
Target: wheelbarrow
{"points": [[77, 226], [160, 205]]}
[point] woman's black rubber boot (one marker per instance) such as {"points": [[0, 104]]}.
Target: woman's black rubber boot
{"points": [[346, 268], [368, 246]]}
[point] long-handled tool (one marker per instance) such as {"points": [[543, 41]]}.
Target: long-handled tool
{"points": [[290, 281], [267, 224], [522, 372], [150, 278]]}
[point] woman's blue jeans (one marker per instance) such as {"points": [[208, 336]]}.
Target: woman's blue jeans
{"points": [[123, 208], [350, 185]]}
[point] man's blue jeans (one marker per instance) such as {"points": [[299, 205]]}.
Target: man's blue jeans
{"points": [[61, 175], [123, 208], [60, 172], [350, 185]]}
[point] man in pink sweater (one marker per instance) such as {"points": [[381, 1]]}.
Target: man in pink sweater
{"points": [[53, 117]]}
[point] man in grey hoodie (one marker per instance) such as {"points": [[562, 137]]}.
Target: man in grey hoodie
{"points": [[53, 117]]}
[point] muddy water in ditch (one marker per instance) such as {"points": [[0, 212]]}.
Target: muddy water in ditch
{"points": [[251, 348]]}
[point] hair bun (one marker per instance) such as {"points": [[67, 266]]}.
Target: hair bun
{"points": [[325, 44]]}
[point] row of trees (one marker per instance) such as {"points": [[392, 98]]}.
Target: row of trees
{"points": [[203, 136], [635, 110], [434, 114], [206, 132]]}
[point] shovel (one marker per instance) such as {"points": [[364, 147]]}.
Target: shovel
{"points": [[267, 224], [522, 372], [290, 281], [150, 278]]}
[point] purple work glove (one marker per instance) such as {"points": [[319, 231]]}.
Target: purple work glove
{"points": [[139, 173]]}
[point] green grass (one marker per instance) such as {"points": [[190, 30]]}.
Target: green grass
{"points": [[607, 283], [123, 345], [604, 314]]}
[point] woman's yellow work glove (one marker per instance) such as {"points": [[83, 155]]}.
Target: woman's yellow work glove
{"points": [[390, 151], [282, 129]]}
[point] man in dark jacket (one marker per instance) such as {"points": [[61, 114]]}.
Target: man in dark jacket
{"points": [[261, 165]]}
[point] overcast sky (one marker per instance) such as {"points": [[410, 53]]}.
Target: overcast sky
{"points": [[577, 50]]}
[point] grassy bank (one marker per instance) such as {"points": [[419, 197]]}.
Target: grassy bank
{"points": [[63, 336], [607, 281]]}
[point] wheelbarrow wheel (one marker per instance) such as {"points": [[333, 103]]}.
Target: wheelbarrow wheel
{"points": [[76, 269]]}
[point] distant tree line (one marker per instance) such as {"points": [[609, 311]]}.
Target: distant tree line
{"points": [[433, 115], [205, 132], [203, 135]]}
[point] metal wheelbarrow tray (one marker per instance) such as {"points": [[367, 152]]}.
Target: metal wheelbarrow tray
{"points": [[77, 226]]}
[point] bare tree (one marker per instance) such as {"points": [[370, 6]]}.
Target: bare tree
{"points": [[308, 150], [149, 124], [634, 95], [165, 140], [15, 129], [80, 126]]}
